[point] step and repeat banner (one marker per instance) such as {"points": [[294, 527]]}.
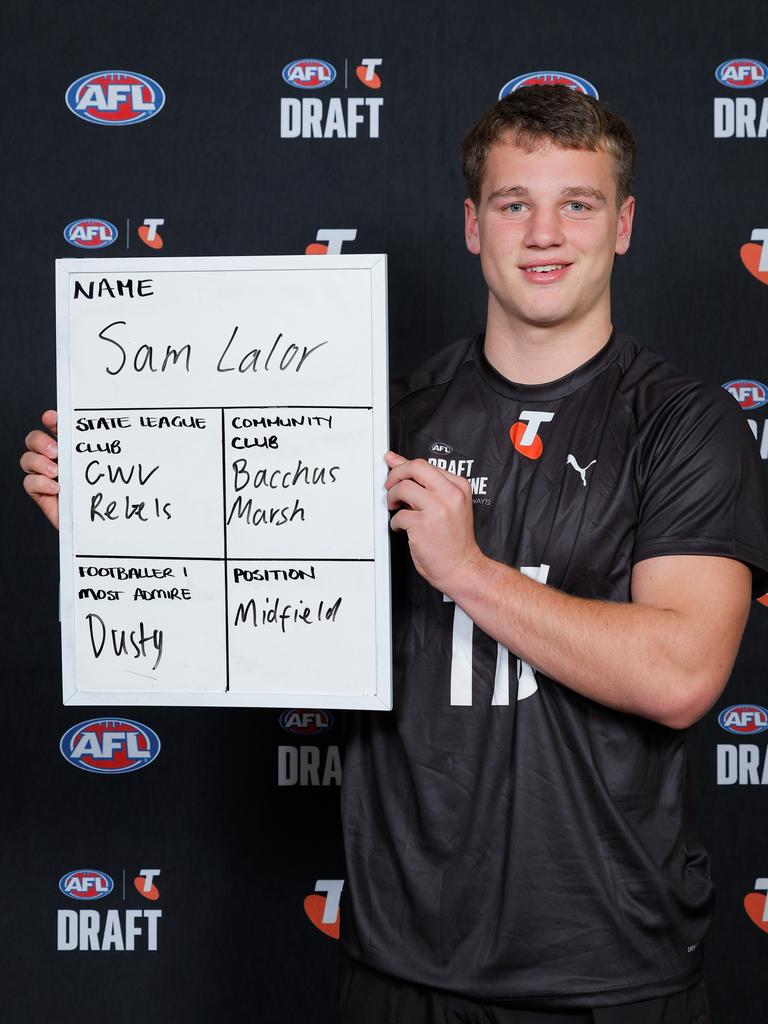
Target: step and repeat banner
{"points": [[166, 864]]}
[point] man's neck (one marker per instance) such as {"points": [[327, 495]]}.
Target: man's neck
{"points": [[530, 354]]}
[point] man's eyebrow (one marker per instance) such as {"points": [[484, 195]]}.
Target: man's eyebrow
{"points": [[509, 190], [583, 190]]}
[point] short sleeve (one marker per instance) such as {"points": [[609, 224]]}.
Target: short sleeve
{"points": [[702, 487]]}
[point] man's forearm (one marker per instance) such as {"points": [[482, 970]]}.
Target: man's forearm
{"points": [[635, 658]]}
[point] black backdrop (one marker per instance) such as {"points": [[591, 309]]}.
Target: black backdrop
{"points": [[238, 852]]}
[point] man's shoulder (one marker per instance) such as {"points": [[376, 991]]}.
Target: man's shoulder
{"points": [[658, 391], [436, 371]]}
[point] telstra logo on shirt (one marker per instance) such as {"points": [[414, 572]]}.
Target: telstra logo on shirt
{"points": [[524, 434]]}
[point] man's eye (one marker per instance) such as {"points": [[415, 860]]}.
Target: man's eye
{"points": [[577, 207], [514, 207]]}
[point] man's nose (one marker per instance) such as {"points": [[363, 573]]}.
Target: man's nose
{"points": [[543, 228]]}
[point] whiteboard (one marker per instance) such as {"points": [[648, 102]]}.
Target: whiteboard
{"points": [[224, 529]]}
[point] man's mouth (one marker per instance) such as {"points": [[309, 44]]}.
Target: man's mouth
{"points": [[545, 268]]}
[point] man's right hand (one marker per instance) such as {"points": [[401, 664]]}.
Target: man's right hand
{"points": [[39, 462]]}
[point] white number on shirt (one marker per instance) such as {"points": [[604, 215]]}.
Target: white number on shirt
{"points": [[461, 656]]}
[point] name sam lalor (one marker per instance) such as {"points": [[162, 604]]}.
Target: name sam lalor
{"points": [[236, 355]]}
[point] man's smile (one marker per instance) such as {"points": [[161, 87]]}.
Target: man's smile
{"points": [[544, 273]]}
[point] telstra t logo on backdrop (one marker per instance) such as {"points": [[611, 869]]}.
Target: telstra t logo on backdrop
{"points": [[115, 97], [323, 911], [327, 116], [756, 904], [740, 117], [367, 73], [144, 883], [149, 234], [330, 240], [754, 254]]}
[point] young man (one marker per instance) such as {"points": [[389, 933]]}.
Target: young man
{"points": [[518, 836]]}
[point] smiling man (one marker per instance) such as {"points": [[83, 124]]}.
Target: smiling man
{"points": [[578, 531]]}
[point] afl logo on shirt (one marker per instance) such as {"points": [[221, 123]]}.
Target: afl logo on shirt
{"points": [[524, 434]]}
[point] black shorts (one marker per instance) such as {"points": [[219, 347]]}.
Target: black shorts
{"points": [[368, 997]]}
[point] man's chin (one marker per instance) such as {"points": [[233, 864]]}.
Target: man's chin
{"points": [[546, 318]]}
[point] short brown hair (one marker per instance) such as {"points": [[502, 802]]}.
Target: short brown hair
{"points": [[554, 113]]}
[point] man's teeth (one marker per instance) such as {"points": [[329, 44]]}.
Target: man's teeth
{"points": [[548, 267]]}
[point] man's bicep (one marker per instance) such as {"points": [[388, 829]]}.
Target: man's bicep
{"points": [[711, 596], [695, 582]]}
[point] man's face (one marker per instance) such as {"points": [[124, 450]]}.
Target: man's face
{"points": [[553, 209]]}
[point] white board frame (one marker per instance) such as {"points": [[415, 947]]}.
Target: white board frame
{"points": [[375, 265]]}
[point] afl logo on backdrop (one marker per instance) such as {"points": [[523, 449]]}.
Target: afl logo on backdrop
{"points": [[115, 97], [750, 394], [86, 884], [744, 719], [110, 746], [90, 233], [574, 82], [304, 722], [742, 73], [309, 73]]}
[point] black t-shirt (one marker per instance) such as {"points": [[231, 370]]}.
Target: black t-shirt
{"points": [[507, 838]]}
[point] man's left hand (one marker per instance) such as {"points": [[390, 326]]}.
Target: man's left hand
{"points": [[435, 509]]}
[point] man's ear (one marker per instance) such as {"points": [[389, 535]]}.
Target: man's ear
{"points": [[624, 230], [471, 227]]}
